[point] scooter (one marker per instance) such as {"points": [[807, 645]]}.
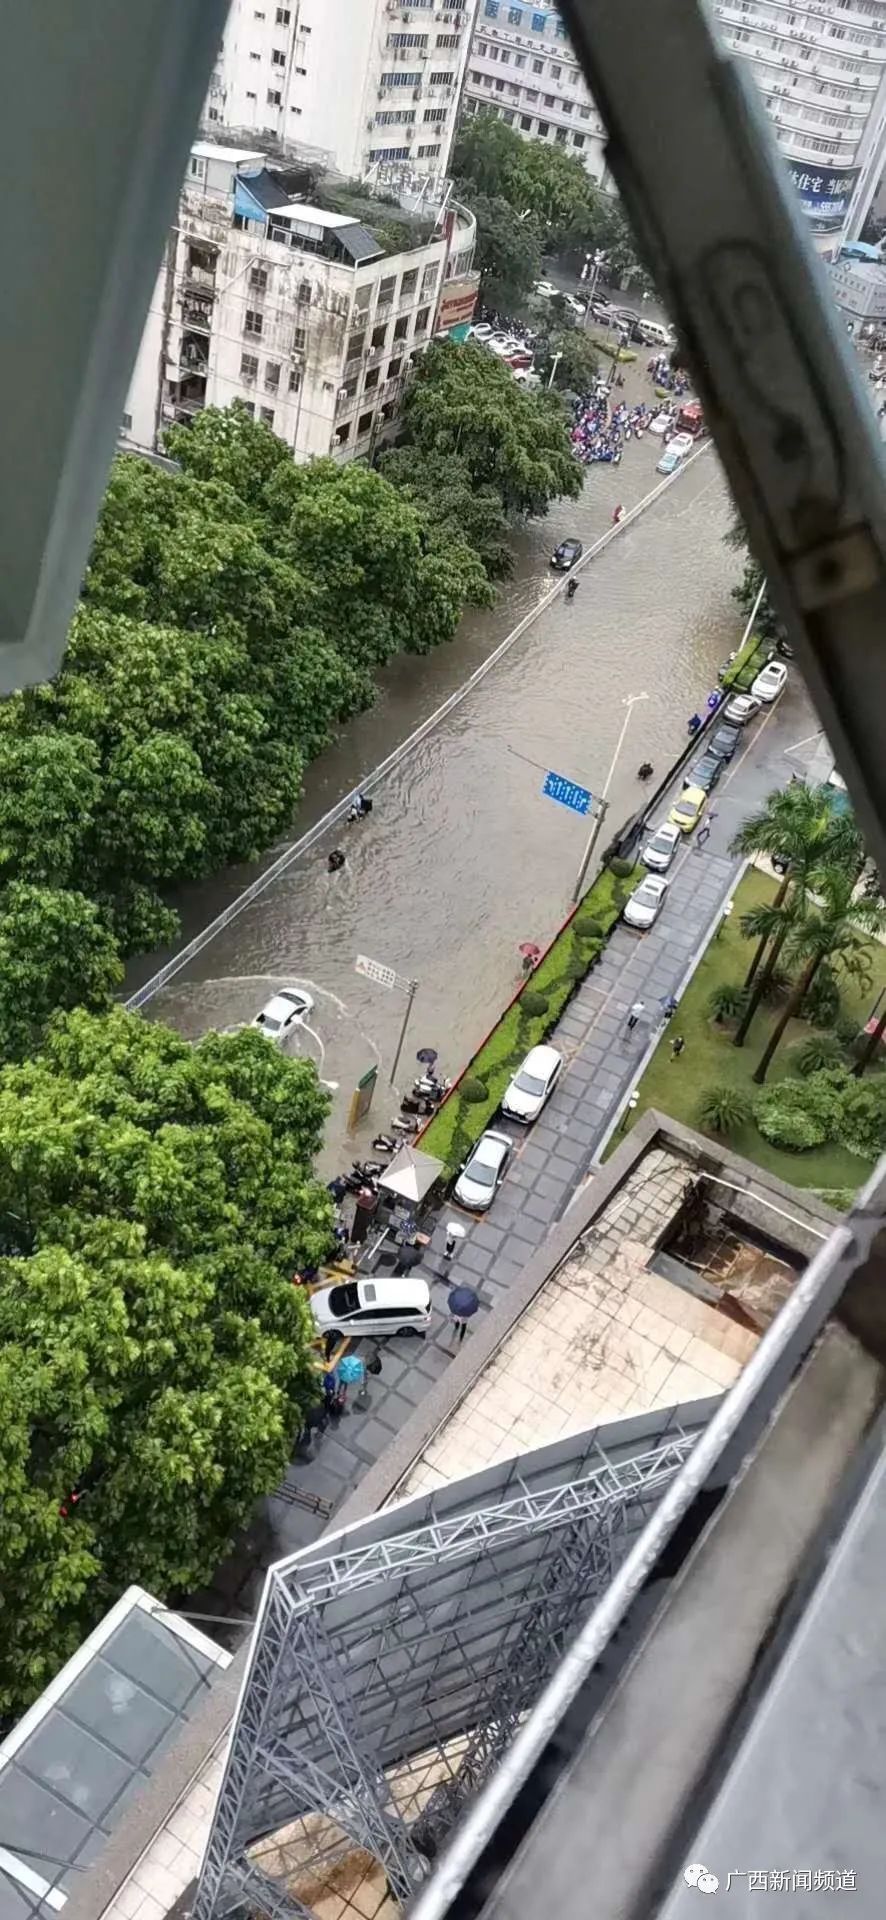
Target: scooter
{"points": [[405, 1123], [384, 1144]]}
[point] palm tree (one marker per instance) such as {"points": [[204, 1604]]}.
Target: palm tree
{"points": [[835, 927], [770, 925], [798, 824]]}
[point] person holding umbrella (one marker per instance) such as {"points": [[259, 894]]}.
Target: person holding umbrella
{"points": [[530, 955], [463, 1304]]}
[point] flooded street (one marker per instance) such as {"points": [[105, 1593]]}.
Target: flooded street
{"points": [[463, 857]]}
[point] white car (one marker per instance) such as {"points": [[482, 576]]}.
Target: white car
{"points": [[481, 332], [289, 1008], [483, 1171], [546, 290], [661, 423], [681, 444], [660, 849], [388, 1304], [575, 306], [740, 709], [533, 1084], [645, 905], [770, 682]]}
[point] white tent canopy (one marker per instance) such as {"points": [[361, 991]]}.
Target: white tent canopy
{"points": [[411, 1174]]}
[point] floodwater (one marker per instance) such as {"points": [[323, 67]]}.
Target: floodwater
{"points": [[463, 857]]}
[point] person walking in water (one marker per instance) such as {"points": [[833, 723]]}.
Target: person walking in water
{"points": [[336, 860], [572, 589], [617, 514]]}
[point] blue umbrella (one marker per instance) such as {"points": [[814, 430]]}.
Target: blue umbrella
{"points": [[351, 1369], [463, 1302], [427, 1056]]}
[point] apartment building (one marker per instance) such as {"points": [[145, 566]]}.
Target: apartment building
{"points": [[522, 65], [367, 84], [299, 310], [820, 66]]}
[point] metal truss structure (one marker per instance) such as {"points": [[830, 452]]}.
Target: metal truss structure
{"points": [[392, 1663]]}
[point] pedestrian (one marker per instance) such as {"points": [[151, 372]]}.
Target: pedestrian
{"points": [[617, 514], [668, 1006], [638, 1008], [703, 836], [677, 1045], [336, 860]]}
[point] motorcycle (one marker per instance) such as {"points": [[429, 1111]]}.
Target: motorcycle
{"points": [[405, 1123], [384, 1144]]}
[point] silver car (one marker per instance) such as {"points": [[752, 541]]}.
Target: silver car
{"points": [[661, 846], [645, 905], [533, 1084], [483, 1171]]}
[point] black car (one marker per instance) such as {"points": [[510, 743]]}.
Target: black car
{"points": [[565, 556], [724, 742], [705, 773]]}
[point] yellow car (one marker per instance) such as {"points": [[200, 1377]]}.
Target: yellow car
{"points": [[687, 811]]}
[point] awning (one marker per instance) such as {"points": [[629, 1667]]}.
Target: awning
{"points": [[411, 1174]]}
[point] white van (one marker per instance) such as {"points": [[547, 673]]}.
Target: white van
{"points": [[655, 335]]}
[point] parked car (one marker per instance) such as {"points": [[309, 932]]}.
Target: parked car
{"points": [[646, 902], [565, 556], [660, 849], [661, 422], [287, 1009], [687, 811], [740, 709], [724, 742], [484, 1170], [770, 682], [388, 1303], [576, 306], [483, 331], [546, 290], [601, 309], [533, 1084], [682, 444], [670, 460], [706, 772]]}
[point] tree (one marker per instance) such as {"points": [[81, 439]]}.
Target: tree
{"points": [[156, 1361], [458, 514], [571, 357], [539, 183], [55, 951], [464, 401], [800, 825], [507, 255], [49, 791], [767, 624], [836, 928]]}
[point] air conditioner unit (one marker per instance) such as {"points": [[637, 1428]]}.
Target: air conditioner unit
{"points": [[343, 391]]}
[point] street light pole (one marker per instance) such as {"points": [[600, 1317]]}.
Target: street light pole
{"points": [[599, 261], [410, 996], [554, 365], [630, 702]]}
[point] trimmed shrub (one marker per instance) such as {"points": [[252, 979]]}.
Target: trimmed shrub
{"points": [[621, 869], [532, 1004], [587, 927], [785, 1125], [847, 1030], [864, 1116], [473, 1090], [820, 1050], [724, 1109], [727, 1002], [575, 968]]}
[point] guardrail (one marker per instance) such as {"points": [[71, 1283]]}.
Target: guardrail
{"points": [[307, 840]]}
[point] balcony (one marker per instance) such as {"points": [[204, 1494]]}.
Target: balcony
{"points": [[199, 277], [196, 314]]}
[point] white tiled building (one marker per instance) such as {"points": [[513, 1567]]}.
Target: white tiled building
{"points": [[820, 66], [522, 65], [294, 309], [364, 82]]}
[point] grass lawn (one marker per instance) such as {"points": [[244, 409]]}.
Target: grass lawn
{"points": [[710, 1059]]}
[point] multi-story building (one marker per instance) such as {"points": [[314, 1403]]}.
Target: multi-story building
{"points": [[522, 65], [820, 66], [300, 311], [366, 83]]}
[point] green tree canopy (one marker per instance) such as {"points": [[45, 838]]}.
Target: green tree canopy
{"points": [[508, 253], [464, 401], [548, 190], [155, 1360], [56, 950], [571, 357]]}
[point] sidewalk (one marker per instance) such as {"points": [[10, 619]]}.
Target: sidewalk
{"points": [[553, 1157]]}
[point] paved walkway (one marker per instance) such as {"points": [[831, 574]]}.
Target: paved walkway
{"points": [[553, 1157]]}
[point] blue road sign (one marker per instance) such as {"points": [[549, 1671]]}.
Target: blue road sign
{"points": [[577, 799]]}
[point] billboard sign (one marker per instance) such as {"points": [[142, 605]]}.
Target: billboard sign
{"points": [[824, 195]]}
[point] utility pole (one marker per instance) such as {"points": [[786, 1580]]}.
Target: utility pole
{"points": [[599, 261], [554, 365], [629, 703], [395, 983], [410, 996]]}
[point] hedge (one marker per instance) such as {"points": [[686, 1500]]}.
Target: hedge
{"points": [[743, 670], [460, 1122]]}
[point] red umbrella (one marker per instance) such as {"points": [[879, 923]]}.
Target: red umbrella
{"points": [[530, 950]]}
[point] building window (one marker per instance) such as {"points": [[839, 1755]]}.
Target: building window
{"points": [[255, 56], [401, 79], [561, 30], [538, 66], [401, 329], [283, 16], [578, 139], [394, 368], [442, 79], [409, 285], [562, 136], [258, 278], [278, 59], [434, 113], [543, 129], [364, 424], [566, 106], [422, 319], [491, 9], [274, 99], [299, 337], [526, 122], [584, 113], [515, 16], [519, 60], [407, 40], [249, 406], [505, 57], [294, 379], [398, 116], [428, 280], [371, 381], [379, 337], [127, 422], [428, 153], [446, 40], [272, 376], [251, 96], [267, 416], [343, 434], [549, 100], [539, 22], [389, 153], [253, 323], [248, 366], [355, 346], [197, 168], [499, 86]]}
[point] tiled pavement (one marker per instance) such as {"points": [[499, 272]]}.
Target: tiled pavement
{"points": [[552, 1159]]}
